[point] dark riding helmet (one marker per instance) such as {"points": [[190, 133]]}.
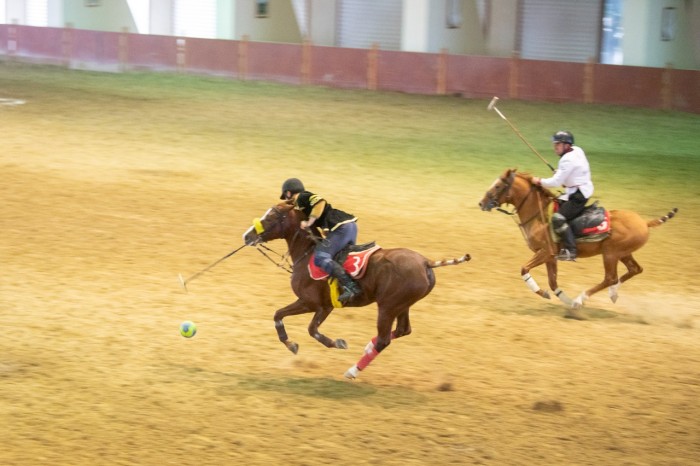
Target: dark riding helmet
{"points": [[292, 184], [563, 136]]}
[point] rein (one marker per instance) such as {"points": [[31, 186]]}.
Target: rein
{"points": [[507, 185], [284, 262], [284, 258]]}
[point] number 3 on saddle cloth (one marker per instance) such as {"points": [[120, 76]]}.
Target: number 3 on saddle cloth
{"points": [[592, 225], [354, 259]]}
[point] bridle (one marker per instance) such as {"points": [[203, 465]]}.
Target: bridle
{"points": [[505, 190], [278, 222]]}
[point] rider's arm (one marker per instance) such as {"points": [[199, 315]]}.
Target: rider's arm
{"points": [[316, 211], [557, 180]]}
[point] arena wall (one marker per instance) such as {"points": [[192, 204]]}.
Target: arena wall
{"points": [[373, 69]]}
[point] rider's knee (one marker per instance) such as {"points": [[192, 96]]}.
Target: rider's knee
{"points": [[558, 222], [322, 259]]}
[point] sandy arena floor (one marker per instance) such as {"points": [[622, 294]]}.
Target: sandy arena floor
{"points": [[96, 227]]}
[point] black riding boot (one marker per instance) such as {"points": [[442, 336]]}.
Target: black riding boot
{"points": [[350, 288], [568, 251]]}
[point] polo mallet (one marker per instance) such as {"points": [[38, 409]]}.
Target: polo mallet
{"points": [[184, 282], [492, 106]]}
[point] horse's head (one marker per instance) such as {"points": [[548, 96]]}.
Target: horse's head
{"points": [[278, 222], [499, 192]]}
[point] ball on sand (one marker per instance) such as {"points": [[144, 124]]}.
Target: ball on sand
{"points": [[188, 329]]}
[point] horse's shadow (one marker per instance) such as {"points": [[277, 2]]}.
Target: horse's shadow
{"points": [[315, 387], [325, 387], [588, 312]]}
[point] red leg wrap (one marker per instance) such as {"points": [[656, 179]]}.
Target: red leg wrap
{"points": [[366, 359]]}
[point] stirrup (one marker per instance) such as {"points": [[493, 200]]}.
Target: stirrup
{"points": [[349, 292], [566, 255]]}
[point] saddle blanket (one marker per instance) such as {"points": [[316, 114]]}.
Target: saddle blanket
{"points": [[354, 264]]}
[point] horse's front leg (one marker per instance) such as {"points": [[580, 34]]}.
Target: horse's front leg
{"points": [[319, 317], [296, 308], [554, 286], [540, 257]]}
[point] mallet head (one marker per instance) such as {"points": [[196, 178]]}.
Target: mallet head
{"points": [[182, 282], [493, 103]]}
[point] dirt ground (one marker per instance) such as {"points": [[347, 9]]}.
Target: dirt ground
{"points": [[96, 227]]}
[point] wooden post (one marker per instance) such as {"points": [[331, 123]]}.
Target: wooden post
{"points": [[123, 48], [442, 72], [12, 42], [372, 67], [306, 62], [667, 87], [181, 54], [67, 44], [513, 78], [243, 58], [588, 81]]}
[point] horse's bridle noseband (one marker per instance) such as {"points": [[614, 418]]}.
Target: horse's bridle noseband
{"points": [[504, 189]]}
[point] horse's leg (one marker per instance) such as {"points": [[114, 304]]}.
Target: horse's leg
{"points": [[633, 268], [377, 344], [319, 317], [553, 285], [403, 328], [610, 279], [297, 307], [540, 257]]}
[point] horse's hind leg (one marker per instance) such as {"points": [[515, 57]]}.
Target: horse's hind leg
{"points": [[610, 278], [403, 328], [633, 268], [378, 343]]}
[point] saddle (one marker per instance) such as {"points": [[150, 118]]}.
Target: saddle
{"points": [[592, 225], [353, 257]]}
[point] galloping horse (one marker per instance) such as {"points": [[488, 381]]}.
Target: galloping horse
{"points": [[628, 233], [394, 278]]}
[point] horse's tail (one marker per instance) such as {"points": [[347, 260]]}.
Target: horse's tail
{"points": [[661, 220], [459, 260]]}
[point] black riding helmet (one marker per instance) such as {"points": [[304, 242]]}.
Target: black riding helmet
{"points": [[563, 136], [292, 184]]}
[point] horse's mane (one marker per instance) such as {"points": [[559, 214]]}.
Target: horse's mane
{"points": [[544, 191], [288, 206]]}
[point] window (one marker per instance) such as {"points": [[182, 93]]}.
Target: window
{"points": [[262, 8], [668, 24], [612, 34], [453, 18]]}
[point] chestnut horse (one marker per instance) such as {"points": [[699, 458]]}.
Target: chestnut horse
{"points": [[628, 233], [395, 279]]}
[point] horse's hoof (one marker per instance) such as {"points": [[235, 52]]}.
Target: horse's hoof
{"points": [[341, 344], [293, 347], [613, 299], [545, 295], [352, 372]]}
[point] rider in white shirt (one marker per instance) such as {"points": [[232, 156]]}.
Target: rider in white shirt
{"points": [[574, 174]]}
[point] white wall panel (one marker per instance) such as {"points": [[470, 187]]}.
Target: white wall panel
{"points": [[566, 30], [362, 23]]}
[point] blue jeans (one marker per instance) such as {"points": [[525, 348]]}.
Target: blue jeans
{"points": [[335, 241]]}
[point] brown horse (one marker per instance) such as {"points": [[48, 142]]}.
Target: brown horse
{"points": [[628, 233], [395, 279]]}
